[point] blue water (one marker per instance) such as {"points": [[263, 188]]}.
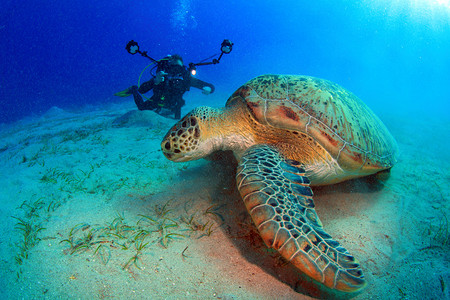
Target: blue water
{"points": [[392, 54]]}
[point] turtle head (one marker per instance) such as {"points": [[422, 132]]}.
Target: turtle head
{"points": [[190, 138]]}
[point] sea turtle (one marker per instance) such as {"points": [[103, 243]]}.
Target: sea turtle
{"points": [[287, 132]]}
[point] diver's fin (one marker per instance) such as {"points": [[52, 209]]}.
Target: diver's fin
{"points": [[125, 93]]}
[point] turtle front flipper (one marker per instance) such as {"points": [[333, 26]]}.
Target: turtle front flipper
{"points": [[279, 199]]}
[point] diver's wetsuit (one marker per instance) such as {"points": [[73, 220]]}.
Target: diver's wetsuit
{"points": [[169, 93]]}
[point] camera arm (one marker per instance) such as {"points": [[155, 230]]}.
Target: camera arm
{"points": [[132, 47], [225, 48]]}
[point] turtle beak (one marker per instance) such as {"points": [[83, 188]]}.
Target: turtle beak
{"points": [[181, 140], [168, 155]]}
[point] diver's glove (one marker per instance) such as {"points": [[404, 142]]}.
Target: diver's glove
{"points": [[128, 92], [206, 90]]}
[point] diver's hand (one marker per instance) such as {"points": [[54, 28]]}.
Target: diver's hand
{"points": [[160, 77], [206, 90]]}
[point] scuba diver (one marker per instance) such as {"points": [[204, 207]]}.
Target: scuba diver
{"points": [[171, 81]]}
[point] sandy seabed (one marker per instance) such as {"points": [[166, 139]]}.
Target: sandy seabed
{"points": [[91, 209]]}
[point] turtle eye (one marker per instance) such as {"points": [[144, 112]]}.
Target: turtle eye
{"points": [[167, 146]]}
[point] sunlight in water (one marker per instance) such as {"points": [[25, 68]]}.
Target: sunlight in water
{"points": [[414, 6], [445, 3], [432, 13]]}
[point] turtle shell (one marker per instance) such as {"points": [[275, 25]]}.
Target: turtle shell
{"points": [[334, 117]]}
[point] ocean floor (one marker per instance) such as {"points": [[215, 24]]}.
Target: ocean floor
{"points": [[91, 209]]}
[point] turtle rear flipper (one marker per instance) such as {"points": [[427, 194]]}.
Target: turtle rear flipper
{"points": [[277, 195]]}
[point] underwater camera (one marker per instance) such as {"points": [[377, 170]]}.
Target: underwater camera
{"points": [[226, 47]]}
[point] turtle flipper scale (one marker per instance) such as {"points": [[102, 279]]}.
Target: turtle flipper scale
{"points": [[277, 195]]}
